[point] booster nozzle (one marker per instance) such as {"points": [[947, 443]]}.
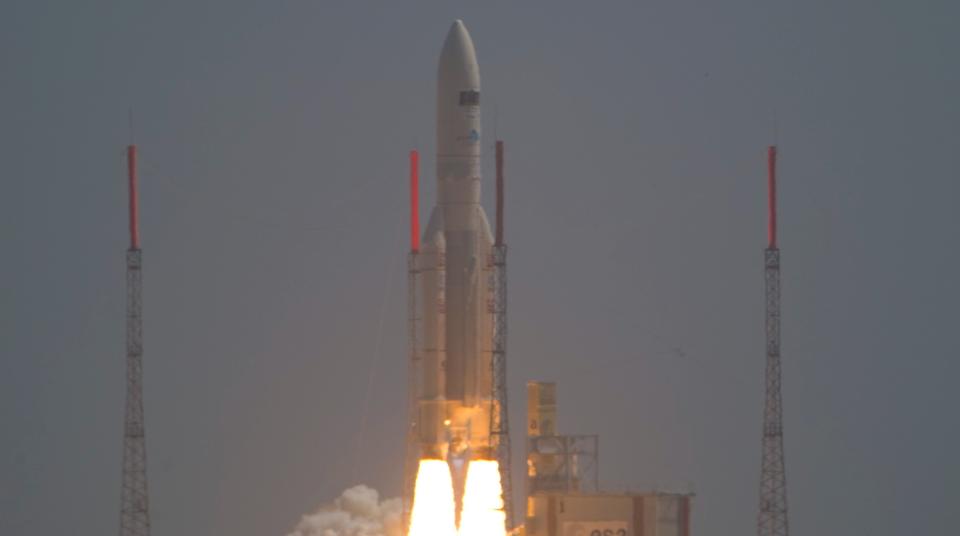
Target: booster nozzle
{"points": [[431, 451], [483, 453]]}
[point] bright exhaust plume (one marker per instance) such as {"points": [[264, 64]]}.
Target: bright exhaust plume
{"points": [[482, 512], [434, 510]]}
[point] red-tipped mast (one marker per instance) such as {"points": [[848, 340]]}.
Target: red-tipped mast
{"points": [[772, 196], [499, 231], [414, 201], [134, 204]]}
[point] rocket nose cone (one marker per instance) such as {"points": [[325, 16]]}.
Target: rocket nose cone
{"points": [[458, 54]]}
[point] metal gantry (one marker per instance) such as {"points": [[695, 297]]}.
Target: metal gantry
{"points": [[412, 453], [134, 503], [499, 416], [772, 517], [563, 464]]}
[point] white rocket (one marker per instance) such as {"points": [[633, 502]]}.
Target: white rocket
{"points": [[455, 265]]}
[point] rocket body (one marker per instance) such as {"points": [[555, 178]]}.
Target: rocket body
{"points": [[456, 269]]}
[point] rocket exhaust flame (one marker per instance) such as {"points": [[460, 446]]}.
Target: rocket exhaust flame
{"points": [[434, 509], [482, 513]]}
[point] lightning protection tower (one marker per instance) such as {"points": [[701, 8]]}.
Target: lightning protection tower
{"points": [[134, 503], [772, 518], [411, 456], [499, 419]]}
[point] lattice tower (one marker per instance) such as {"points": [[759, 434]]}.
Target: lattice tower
{"points": [[499, 417], [134, 503], [414, 372], [772, 517], [412, 453]]}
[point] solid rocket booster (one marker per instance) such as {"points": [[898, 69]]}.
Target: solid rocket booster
{"points": [[455, 266]]}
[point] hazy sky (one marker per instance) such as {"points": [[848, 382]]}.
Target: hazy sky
{"points": [[273, 138]]}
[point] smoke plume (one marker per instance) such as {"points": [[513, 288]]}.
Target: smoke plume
{"points": [[357, 512]]}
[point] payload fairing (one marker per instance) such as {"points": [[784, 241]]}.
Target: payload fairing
{"points": [[455, 398]]}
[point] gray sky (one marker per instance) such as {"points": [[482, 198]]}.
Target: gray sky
{"points": [[273, 138]]}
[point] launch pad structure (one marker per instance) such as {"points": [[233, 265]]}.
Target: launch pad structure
{"points": [[564, 497], [457, 352]]}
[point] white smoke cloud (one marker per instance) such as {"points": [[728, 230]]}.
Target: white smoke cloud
{"points": [[357, 512]]}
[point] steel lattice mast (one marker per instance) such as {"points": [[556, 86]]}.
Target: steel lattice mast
{"points": [[134, 504], [411, 456], [772, 518], [499, 417]]}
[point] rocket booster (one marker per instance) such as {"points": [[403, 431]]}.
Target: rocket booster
{"points": [[455, 267]]}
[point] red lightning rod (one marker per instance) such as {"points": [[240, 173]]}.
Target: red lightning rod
{"points": [[499, 231], [772, 196], [134, 205], [414, 201]]}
